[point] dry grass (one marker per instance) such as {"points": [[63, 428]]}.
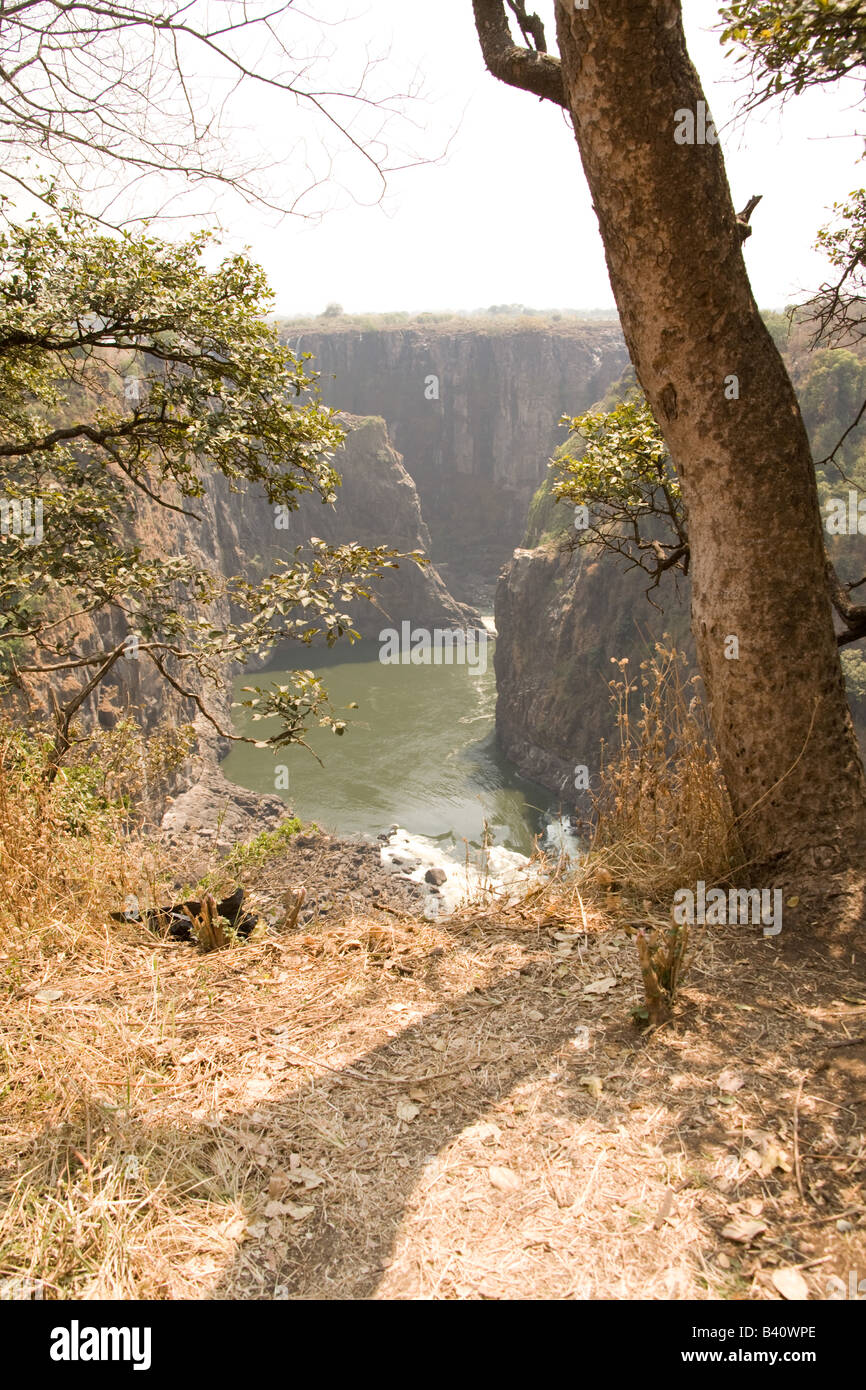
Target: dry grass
{"points": [[81, 1038], [405, 1108], [662, 818]]}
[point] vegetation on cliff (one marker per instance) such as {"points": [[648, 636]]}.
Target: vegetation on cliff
{"points": [[612, 465], [129, 371]]}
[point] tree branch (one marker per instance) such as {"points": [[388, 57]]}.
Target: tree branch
{"points": [[853, 615], [533, 70], [831, 457]]}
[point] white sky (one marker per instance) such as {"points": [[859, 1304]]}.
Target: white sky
{"points": [[505, 216]]}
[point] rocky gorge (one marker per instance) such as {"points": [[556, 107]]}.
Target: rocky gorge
{"points": [[475, 412], [449, 433]]}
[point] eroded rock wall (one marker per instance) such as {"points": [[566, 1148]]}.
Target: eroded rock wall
{"points": [[475, 413]]}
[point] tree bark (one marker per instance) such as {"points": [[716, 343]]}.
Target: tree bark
{"points": [[779, 711]]}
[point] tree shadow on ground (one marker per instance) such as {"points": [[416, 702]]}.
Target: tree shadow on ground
{"points": [[373, 1159], [368, 1130]]}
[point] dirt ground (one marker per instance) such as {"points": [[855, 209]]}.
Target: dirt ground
{"points": [[395, 1108]]}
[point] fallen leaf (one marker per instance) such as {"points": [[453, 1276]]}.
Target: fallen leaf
{"points": [[790, 1283], [600, 986], [665, 1209], [407, 1111], [504, 1179], [277, 1185], [730, 1081], [292, 1209], [742, 1230], [308, 1177], [772, 1159], [235, 1228], [297, 1212], [485, 1133]]}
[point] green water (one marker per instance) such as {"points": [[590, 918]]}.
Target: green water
{"points": [[419, 752]]}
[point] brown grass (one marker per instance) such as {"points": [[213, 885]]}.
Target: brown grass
{"points": [[662, 815], [402, 1108]]}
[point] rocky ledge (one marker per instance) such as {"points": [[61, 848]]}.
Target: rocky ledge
{"points": [[398, 872]]}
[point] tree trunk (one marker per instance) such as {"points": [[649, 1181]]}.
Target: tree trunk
{"points": [[779, 711]]}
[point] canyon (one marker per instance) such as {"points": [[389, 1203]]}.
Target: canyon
{"points": [[474, 410], [237, 533], [449, 432]]}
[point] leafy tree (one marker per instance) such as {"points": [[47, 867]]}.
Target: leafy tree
{"points": [[791, 45], [854, 664], [830, 393], [626, 493], [616, 470], [129, 372], [838, 311]]}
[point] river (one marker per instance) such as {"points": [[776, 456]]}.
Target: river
{"points": [[419, 752]]}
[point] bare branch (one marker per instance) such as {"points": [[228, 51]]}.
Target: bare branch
{"points": [[90, 87], [853, 615], [831, 457], [531, 69]]}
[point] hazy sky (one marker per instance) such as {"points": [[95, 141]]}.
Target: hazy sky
{"points": [[505, 215]]}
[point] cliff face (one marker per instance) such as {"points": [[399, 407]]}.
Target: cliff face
{"points": [[561, 618], [237, 535], [378, 504], [475, 412]]}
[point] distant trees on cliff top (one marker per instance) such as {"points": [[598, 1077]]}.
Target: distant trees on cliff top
{"points": [[495, 318]]}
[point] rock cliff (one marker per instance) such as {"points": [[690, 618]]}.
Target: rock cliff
{"points": [[475, 411], [378, 504], [236, 534], [562, 616]]}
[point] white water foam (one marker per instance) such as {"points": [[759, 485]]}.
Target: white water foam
{"points": [[502, 873]]}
